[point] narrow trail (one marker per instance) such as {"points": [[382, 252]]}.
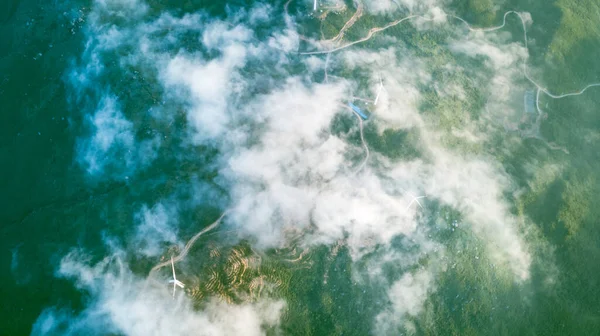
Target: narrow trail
{"points": [[366, 38], [340, 35], [534, 131], [364, 143], [372, 31], [540, 88], [349, 23], [525, 70], [189, 245]]}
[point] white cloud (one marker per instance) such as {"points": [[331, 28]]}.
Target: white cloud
{"points": [[209, 83], [505, 62], [157, 227], [221, 36], [407, 296], [468, 184], [399, 99], [111, 130], [123, 303], [437, 15], [287, 172], [274, 177], [112, 143], [390, 6], [128, 9], [21, 273], [364, 210], [292, 174], [287, 42], [500, 57], [260, 14], [382, 6], [476, 188]]}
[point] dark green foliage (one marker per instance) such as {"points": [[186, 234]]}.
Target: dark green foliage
{"points": [[395, 144]]}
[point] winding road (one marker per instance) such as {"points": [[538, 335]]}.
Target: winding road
{"points": [[189, 244]]}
